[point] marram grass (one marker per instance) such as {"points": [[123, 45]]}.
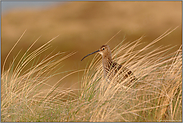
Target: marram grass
{"points": [[155, 96]]}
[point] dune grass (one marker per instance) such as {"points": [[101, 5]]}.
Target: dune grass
{"points": [[155, 96]]}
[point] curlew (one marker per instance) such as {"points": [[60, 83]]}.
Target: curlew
{"points": [[111, 68]]}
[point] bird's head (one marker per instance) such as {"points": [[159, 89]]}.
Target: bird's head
{"points": [[104, 51]]}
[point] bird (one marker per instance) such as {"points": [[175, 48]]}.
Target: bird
{"points": [[111, 68]]}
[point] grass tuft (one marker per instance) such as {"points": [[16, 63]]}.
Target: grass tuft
{"points": [[155, 96]]}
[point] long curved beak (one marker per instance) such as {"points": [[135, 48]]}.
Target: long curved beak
{"points": [[90, 54]]}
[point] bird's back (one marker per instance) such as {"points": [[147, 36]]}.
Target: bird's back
{"points": [[113, 68]]}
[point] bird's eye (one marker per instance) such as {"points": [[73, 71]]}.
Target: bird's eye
{"points": [[103, 48]]}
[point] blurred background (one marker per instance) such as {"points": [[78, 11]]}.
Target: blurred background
{"points": [[84, 26]]}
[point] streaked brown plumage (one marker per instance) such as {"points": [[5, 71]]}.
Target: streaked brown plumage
{"points": [[111, 68]]}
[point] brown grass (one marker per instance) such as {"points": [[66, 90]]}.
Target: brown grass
{"points": [[155, 96]]}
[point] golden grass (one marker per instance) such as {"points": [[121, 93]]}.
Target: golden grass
{"points": [[155, 96], [21, 86]]}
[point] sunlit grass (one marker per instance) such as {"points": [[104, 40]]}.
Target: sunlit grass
{"points": [[22, 83], [155, 96]]}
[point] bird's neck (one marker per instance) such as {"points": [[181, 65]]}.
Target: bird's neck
{"points": [[107, 57], [107, 61]]}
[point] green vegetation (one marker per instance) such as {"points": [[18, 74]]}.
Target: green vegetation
{"points": [[155, 96]]}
